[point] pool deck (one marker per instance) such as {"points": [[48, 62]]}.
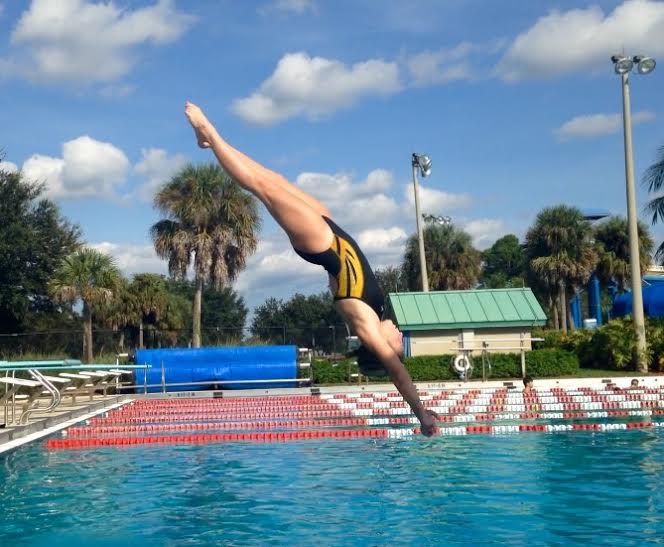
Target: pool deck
{"points": [[42, 423]]}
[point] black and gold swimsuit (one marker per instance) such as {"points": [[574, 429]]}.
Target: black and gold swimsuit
{"points": [[347, 264]]}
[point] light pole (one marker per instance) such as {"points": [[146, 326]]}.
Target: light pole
{"points": [[421, 162], [623, 66]]}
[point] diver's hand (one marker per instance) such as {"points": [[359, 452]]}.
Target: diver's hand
{"points": [[428, 423]]}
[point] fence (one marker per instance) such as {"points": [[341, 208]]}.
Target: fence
{"points": [[68, 343]]}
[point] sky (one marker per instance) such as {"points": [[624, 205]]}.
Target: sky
{"points": [[516, 103]]}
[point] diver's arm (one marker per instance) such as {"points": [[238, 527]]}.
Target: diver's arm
{"points": [[373, 340]]}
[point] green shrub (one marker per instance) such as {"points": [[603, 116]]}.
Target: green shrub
{"points": [[426, 368], [611, 347], [326, 372], [542, 363], [503, 365]]}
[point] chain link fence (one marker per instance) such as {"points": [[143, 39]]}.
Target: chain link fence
{"points": [[323, 340]]}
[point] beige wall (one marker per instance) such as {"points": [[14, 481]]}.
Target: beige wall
{"points": [[500, 340]]}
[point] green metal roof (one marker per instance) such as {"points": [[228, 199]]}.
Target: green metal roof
{"points": [[466, 309]]}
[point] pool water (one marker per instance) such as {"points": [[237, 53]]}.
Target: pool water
{"points": [[539, 489]]}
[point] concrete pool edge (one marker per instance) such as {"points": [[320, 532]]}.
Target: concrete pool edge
{"points": [[15, 438], [620, 381]]}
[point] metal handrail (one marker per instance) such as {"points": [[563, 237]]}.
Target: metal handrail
{"points": [[9, 366], [55, 396], [494, 340]]}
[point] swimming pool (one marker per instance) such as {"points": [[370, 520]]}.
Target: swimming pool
{"points": [[537, 488]]}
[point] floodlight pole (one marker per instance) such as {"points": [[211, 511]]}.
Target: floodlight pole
{"points": [[420, 234], [634, 259]]}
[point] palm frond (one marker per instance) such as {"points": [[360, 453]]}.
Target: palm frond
{"points": [[653, 178]]}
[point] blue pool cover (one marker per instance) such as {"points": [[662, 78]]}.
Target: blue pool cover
{"points": [[209, 368]]}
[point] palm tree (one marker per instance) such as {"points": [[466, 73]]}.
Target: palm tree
{"points": [[150, 296], [119, 312], [612, 240], [561, 256], [452, 261], [211, 222], [653, 179], [89, 276]]}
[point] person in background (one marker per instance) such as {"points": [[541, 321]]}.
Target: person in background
{"points": [[634, 384], [528, 385]]}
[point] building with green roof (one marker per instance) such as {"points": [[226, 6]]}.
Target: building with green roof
{"points": [[448, 322]]}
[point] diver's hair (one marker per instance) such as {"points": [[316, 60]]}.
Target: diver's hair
{"points": [[368, 362]]}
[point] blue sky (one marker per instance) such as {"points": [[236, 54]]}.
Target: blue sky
{"points": [[516, 102]]}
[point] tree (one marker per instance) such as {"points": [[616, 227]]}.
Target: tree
{"points": [[561, 256], [303, 320], [223, 311], [653, 180], [504, 264], [119, 312], [612, 240], [224, 315], [211, 223], [91, 277], [34, 238], [150, 296], [391, 279], [174, 319], [452, 261]]}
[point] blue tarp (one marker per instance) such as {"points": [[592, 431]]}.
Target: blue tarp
{"points": [[212, 366]]}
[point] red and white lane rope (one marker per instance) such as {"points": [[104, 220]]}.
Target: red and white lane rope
{"points": [[337, 434]]}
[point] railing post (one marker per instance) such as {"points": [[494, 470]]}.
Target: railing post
{"points": [[523, 357]]}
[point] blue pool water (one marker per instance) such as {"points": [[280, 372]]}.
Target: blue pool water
{"points": [[537, 489]]}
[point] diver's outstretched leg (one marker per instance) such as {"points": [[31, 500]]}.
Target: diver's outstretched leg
{"points": [[299, 214]]}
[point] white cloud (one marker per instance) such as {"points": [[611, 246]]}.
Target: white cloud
{"points": [[596, 125], [584, 39], [485, 231], [46, 170], [157, 168], [442, 66], [133, 259], [87, 168], [289, 7], [367, 203], [276, 271], [315, 87], [8, 166], [383, 246], [85, 42], [432, 201], [353, 205]]}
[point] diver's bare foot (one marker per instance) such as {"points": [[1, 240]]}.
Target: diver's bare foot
{"points": [[202, 127]]}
